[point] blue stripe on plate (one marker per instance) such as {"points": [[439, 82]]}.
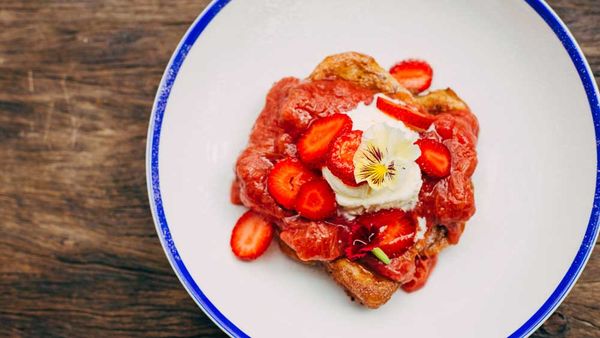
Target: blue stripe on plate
{"points": [[589, 239], [209, 308], [153, 176]]}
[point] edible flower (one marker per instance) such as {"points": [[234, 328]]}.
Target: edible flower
{"points": [[362, 241], [381, 155]]}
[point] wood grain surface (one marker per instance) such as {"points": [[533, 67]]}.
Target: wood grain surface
{"points": [[78, 251]]}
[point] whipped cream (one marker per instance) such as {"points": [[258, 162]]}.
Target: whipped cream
{"points": [[393, 177], [365, 116]]}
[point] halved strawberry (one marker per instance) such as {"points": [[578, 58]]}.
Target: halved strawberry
{"points": [[411, 116], [285, 179], [414, 75], [396, 233], [316, 200], [341, 156], [435, 159], [314, 144], [251, 236]]}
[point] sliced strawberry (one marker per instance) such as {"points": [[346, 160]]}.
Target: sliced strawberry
{"points": [[411, 116], [316, 200], [285, 179], [424, 266], [251, 236], [341, 156], [396, 230], [435, 159], [314, 144], [414, 75]]}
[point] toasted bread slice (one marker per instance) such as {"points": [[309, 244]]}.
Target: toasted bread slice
{"points": [[361, 284], [358, 68], [373, 290], [441, 100]]}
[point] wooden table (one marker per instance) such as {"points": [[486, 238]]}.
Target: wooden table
{"points": [[78, 251]]}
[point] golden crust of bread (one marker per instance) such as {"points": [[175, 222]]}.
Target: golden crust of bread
{"points": [[361, 284], [441, 100], [358, 68]]}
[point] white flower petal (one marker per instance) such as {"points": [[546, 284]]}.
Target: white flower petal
{"points": [[406, 151]]}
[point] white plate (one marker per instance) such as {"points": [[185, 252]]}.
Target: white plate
{"points": [[516, 65]]}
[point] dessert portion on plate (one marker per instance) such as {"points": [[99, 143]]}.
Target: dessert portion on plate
{"points": [[360, 171]]}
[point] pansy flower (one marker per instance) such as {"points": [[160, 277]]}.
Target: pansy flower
{"points": [[382, 155]]}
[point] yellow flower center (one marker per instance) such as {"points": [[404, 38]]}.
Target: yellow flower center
{"points": [[372, 168]]}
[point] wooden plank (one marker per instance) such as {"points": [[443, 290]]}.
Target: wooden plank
{"points": [[78, 253]]}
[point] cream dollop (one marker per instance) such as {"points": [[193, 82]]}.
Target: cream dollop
{"points": [[385, 160], [364, 116]]}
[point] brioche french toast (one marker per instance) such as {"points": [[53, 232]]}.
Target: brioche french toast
{"points": [[357, 171]]}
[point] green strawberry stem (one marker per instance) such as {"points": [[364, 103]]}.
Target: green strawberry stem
{"points": [[377, 252]]}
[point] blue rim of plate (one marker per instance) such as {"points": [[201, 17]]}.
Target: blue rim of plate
{"points": [[160, 220]]}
